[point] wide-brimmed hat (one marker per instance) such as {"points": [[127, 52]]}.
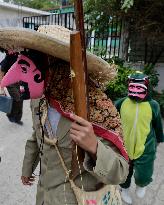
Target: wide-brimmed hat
{"points": [[55, 41]]}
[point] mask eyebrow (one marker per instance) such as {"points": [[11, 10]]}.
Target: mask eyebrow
{"points": [[34, 70], [23, 62]]}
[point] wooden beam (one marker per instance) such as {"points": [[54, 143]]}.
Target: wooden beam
{"points": [[79, 19], [79, 79], [79, 94]]}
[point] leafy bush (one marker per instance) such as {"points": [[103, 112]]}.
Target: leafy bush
{"points": [[159, 97], [99, 51], [152, 73], [118, 88], [153, 77]]}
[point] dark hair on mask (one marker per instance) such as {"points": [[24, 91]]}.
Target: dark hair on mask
{"points": [[8, 61], [39, 59], [3, 50]]}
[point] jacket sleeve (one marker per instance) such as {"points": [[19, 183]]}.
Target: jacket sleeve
{"points": [[110, 167], [118, 104], [157, 121], [31, 157]]}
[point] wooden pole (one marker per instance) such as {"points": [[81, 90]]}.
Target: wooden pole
{"points": [[79, 94], [79, 19], [78, 75], [79, 80]]}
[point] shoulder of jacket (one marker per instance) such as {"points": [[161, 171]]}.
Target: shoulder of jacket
{"points": [[34, 103], [119, 102], [154, 104]]}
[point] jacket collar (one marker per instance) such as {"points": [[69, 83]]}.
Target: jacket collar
{"points": [[63, 125]]}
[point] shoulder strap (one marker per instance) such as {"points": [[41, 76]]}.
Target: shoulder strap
{"points": [[53, 141]]}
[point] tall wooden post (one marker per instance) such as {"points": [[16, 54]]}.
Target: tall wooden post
{"points": [[78, 75], [79, 19], [79, 80], [79, 94]]}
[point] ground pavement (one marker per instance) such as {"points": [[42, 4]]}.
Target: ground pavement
{"points": [[12, 142]]}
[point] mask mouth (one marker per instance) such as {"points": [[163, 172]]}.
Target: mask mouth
{"points": [[137, 91], [25, 93], [137, 96]]}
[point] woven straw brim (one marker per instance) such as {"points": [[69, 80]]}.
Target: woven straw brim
{"points": [[57, 46]]}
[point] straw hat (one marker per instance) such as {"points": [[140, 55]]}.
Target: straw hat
{"points": [[54, 40]]}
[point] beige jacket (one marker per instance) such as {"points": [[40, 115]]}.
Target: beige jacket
{"points": [[53, 187]]}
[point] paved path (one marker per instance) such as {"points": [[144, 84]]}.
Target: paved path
{"points": [[12, 142], [155, 191]]}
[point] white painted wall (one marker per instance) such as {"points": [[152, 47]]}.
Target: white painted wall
{"points": [[12, 15], [9, 17]]}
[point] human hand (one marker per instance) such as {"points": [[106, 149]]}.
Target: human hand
{"points": [[83, 135], [27, 180]]}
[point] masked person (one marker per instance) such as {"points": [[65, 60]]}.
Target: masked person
{"points": [[142, 128], [14, 90], [105, 159]]}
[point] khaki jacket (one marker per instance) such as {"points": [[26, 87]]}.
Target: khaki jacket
{"points": [[53, 187]]}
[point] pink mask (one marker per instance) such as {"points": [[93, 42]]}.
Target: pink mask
{"points": [[137, 90], [25, 71]]}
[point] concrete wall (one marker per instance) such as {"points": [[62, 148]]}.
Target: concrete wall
{"points": [[14, 17]]}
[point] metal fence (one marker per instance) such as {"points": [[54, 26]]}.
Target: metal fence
{"points": [[105, 45]]}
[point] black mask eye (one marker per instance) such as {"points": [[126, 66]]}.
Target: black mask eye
{"points": [[24, 69], [38, 78], [24, 65]]}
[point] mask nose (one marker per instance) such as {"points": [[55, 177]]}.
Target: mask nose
{"points": [[11, 77]]}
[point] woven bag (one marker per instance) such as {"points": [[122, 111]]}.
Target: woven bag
{"points": [[107, 195]]}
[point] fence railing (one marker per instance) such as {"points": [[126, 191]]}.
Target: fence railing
{"points": [[105, 45]]}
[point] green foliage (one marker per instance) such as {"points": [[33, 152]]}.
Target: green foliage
{"points": [[99, 12], [152, 73], [127, 4], [37, 4], [99, 51], [145, 17], [159, 97], [96, 10], [119, 87], [154, 79]]}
